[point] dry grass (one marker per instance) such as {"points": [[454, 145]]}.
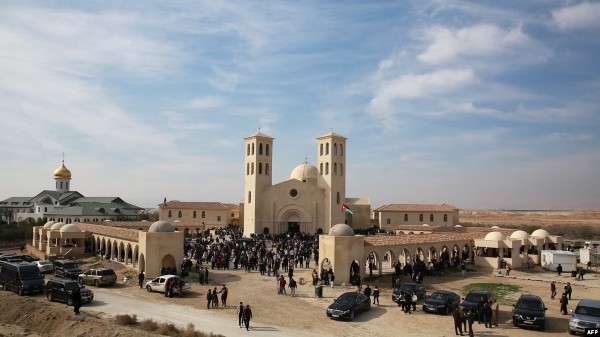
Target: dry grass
{"points": [[163, 328], [126, 319]]}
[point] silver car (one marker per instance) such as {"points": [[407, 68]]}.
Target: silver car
{"points": [[44, 266], [585, 315]]}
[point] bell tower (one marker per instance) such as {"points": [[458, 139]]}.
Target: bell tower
{"points": [[331, 162], [258, 174]]}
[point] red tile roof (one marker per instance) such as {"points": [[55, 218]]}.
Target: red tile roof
{"points": [[416, 208], [194, 204], [422, 239]]}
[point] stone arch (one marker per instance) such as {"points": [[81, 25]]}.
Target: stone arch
{"points": [[354, 271], [389, 258], [136, 252], [142, 263], [168, 261], [433, 254], [419, 254], [108, 251], [406, 256], [121, 252], [128, 254], [293, 213], [465, 252], [371, 261]]}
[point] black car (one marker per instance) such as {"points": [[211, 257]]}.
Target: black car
{"points": [[472, 299], [529, 311], [60, 290], [441, 302], [408, 287], [66, 269], [348, 305]]}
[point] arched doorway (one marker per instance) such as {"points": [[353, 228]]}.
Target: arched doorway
{"points": [[266, 230], [319, 231], [168, 264], [354, 272]]}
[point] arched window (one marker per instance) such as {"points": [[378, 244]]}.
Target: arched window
{"points": [[341, 169], [267, 149], [194, 215], [170, 214], [252, 148], [338, 198], [259, 168], [260, 149], [326, 168], [334, 169], [45, 209], [247, 168], [445, 217], [203, 214], [249, 197], [179, 214], [341, 150], [61, 185], [405, 217], [327, 148], [321, 150], [431, 217], [421, 217], [267, 168], [252, 168], [335, 149], [67, 185], [321, 168], [248, 150]]}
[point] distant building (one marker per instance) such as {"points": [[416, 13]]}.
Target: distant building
{"points": [[64, 205], [201, 215], [393, 215]]}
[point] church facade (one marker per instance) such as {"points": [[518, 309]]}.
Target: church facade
{"points": [[310, 201]]}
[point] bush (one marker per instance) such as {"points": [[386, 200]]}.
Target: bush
{"points": [[126, 319], [168, 329], [148, 325]]}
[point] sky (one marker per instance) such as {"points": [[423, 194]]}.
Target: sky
{"points": [[479, 104]]}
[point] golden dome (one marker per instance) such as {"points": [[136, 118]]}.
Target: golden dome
{"points": [[62, 172]]}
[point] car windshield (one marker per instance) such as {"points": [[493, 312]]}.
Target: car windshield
{"points": [[473, 297], [439, 296], [530, 305], [71, 285], [588, 311], [30, 274], [409, 287], [345, 300], [71, 265]]}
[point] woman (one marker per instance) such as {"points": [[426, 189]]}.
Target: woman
{"points": [[495, 312]]}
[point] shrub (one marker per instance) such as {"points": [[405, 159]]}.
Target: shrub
{"points": [[148, 325], [168, 329], [126, 319]]}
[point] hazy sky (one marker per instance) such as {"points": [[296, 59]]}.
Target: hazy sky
{"points": [[486, 104]]}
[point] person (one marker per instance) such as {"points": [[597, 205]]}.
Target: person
{"points": [[206, 275], [463, 269], [487, 314], [589, 265], [240, 312], [168, 287], [464, 316], [470, 321], [201, 276], [482, 301], [215, 298], [208, 299], [495, 312], [223, 293], [559, 269], [315, 277], [407, 302], [563, 303], [376, 295], [141, 278], [247, 315], [76, 299], [568, 290], [507, 270], [293, 286], [580, 273], [414, 298], [552, 290], [282, 284], [331, 277], [457, 322], [367, 292]]}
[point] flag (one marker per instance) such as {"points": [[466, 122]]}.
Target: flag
{"points": [[346, 209]]}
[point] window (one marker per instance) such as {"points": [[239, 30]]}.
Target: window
{"points": [[194, 215], [341, 150], [267, 149], [338, 198], [445, 217], [260, 147], [247, 168], [67, 185], [293, 193], [38, 209], [334, 168], [267, 168], [232, 215], [321, 150], [341, 169], [421, 217], [335, 149], [170, 214], [431, 217], [405, 217], [327, 148], [218, 218], [389, 221], [252, 148], [61, 185], [203, 214], [179, 214], [248, 150], [249, 197], [45, 209], [252, 168], [259, 168], [321, 168], [326, 168]]}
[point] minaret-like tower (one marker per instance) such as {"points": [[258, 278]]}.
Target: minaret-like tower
{"points": [[331, 162], [62, 176], [258, 174]]}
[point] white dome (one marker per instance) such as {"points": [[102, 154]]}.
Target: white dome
{"points": [[161, 226], [426, 225], [305, 172], [495, 227], [71, 228], [57, 226], [494, 236], [519, 235], [341, 230], [540, 233], [458, 226], [49, 224]]}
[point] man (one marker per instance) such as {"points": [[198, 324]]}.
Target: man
{"points": [[240, 312], [206, 275], [495, 312], [315, 277], [559, 269], [247, 317], [293, 286], [480, 305], [463, 268], [215, 298], [141, 278], [580, 273], [563, 303], [407, 302], [552, 290], [376, 295], [208, 299], [487, 314], [367, 292], [223, 293], [168, 287], [76, 298], [470, 320], [282, 284], [457, 322], [568, 290]]}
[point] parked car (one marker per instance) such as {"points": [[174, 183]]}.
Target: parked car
{"points": [[471, 301], [529, 311], [585, 315], [44, 266], [441, 302], [12, 258], [66, 269], [158, 284], [29, 258], [60, 290], [99, 276], [21, 277], [409, 287], [348, 305]]}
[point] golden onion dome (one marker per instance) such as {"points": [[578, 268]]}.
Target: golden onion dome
{"points": [[62, 172]]}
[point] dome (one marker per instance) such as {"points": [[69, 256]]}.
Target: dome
{"points": [[49, 224], [494, 236], [495, 227], [57, 226], [305, 172], [540, 233], [458, 226], [161, 226], [519, 235], [62, 172], [426, 225], [71, 228], [341, 230]]}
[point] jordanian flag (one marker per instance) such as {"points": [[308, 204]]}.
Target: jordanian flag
{"points": [[346, 209]]}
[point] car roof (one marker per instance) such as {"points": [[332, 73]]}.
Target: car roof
{"points": [[480, 292], [445, 292], [62, 281], [530, 297], [590, 303], [350, 294]]}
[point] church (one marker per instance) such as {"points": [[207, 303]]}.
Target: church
{"points": [[312, 200]]}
